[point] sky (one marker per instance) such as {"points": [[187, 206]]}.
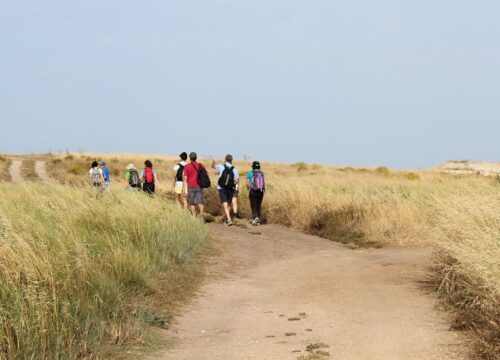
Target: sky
{"points": [[350, 82]]}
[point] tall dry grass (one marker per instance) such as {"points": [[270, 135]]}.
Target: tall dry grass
{"points": [[378, 206], [78, 273], [4, 169]]}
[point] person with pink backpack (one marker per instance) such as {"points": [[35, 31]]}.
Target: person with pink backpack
{"points": [[256, 185]]}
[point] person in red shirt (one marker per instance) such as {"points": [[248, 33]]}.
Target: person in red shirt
{"points": [[191, 185]]}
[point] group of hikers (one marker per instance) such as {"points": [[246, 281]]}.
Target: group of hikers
{"points": [[189, 183]]}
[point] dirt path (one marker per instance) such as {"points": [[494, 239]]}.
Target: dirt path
{"points": [[41, 171], [15, 171], [360, 304]]}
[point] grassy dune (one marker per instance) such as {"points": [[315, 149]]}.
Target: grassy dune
{"points": [[73, 168], [377, 207], [79, 274]]}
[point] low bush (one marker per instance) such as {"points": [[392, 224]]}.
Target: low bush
{"points": [[412, 176], [382, 170]]}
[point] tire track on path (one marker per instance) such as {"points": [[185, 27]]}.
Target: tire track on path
{"points": [[41, 171], [15, 171]]}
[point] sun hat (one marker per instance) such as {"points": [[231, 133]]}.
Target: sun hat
{"points": [[130, 166]]}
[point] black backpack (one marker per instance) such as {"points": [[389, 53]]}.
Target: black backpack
{"points": [[203, 178], [226, 180], [133, 179], [180, 173]]}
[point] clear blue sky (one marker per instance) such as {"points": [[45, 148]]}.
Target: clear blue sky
{"points": [[388, 82]]}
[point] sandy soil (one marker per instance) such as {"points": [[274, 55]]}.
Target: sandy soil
{"points": [[15, 171], [471, 168], [41, 171], [272, 294]]}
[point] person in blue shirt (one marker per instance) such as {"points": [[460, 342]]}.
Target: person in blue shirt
{"points": [[227, 185], [106, 174]]}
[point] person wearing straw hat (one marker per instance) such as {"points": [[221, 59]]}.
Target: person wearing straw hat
{"points": [[132, 179]]}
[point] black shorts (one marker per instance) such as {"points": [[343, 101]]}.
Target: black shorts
{"points": [[226, 195]]}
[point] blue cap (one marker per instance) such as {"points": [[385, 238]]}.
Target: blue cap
{"points": [[103, 163]]}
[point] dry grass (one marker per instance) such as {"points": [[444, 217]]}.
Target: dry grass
{"points": [[78, 275], [28, 170], [376, 207], [4, 169]]}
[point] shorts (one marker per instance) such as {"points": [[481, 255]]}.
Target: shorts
{"points": [[225, 195], [195, 196], [178, 187]]}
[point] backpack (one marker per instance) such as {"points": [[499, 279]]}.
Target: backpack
{"points": [[133, 179], [203, 178], [226, 180], [149, 177], [180, 173], [258, 182], [96, 176]]}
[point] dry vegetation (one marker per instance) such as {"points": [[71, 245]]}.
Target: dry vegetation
{"points": [[376, 207], [28, 170], [4, 168], [78, 275]]}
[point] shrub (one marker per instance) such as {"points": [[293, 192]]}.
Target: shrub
{"points": [[412, 176], [3, 158], [116, 172], [300, 166], [69, 157], [77, 169], [382, 170]]}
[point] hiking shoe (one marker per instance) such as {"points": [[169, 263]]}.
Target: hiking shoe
{"points": [[256, 222], [228, 223], [236, 216]]}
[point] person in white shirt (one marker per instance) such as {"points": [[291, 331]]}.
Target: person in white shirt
{"points": [[180, 196], [97, 178]]}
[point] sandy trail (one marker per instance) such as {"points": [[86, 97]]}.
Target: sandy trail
{"points": [[363, 304], [41, 171], [15, 171]]}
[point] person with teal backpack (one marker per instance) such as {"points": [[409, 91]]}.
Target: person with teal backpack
{"points": [[256, 185]]}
